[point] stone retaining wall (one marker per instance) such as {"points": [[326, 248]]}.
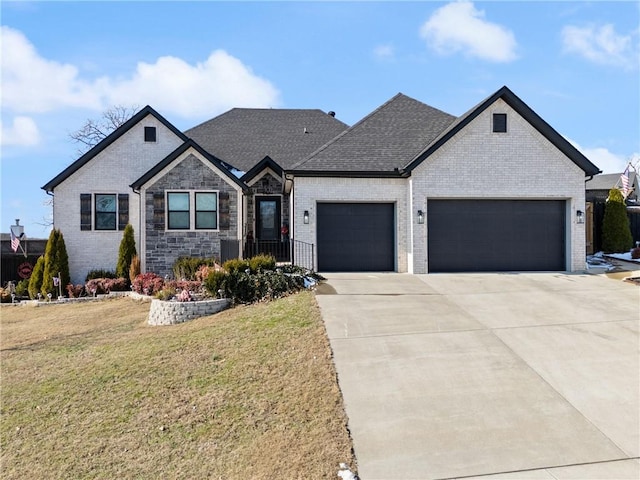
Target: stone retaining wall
{"points": [[170, 313]]}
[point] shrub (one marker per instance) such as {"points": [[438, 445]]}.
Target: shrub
{"points": [[75, 291], [262, 262], [187, 267], [5, 295], [126, 252], [35, 281], [134, 269], [635, 253], [100, 273], [22, 288], [120, 284], [56, 263], [167, 293], [215, 281], [236, 265], [148, 283], [616, 234]]}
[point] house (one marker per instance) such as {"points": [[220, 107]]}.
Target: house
{"points": [[597, 192], [408, 188]]}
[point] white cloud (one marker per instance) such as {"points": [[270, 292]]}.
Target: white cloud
{"points": [[601, 45], [172, 85], [459, 27], [23, 132], [384, 52], [605, 160], [33, 84]]}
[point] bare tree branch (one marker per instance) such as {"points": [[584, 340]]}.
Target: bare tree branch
{"points": [[94, 130]]}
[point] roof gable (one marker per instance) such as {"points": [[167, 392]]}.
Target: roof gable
{"points": [[243, 136], [382, 141], [106, 142], [525, 112], [189, 144], [266, 162]]}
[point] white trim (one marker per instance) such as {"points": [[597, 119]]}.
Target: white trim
{"points": [[262, 174]]}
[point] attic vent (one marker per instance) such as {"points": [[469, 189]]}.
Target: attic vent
{"points": [[499, 122], [149, 134], [331, 113]]}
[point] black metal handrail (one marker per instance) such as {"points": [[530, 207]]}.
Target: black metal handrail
{"points": [[288, 250]]}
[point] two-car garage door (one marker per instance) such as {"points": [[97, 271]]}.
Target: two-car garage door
{"points": [[496, 235]]}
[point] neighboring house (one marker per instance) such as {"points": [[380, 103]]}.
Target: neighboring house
{"points": [[409, 188], [16, 266], [597, 191]]}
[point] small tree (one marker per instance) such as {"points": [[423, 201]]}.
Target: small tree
{"points": [[126, 253], [616, 233], [35, 281], [56, 263]]}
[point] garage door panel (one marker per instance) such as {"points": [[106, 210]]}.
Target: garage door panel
{"points": [[496, 235], [356, 237]]}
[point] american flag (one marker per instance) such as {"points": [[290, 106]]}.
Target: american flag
{"points": [[624, 180], [15, 242]]}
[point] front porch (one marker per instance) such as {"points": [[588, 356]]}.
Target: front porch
{"points": [[295, 252]]}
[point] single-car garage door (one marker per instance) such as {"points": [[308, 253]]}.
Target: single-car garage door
{"points": [[496, 235], [356, 237]]}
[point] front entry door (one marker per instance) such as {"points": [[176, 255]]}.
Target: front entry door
{"points": [[268, 218]]}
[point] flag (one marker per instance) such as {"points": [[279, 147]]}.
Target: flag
{"points": [[624, 180], [15, 241]]}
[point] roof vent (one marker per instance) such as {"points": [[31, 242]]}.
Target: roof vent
{"points": [[331, 113], [305, 130]]}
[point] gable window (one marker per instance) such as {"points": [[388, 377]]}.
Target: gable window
{"points": [[206, 210], [499, 122], [105, 211], [188, 208], [178, 210], [149, 134]]}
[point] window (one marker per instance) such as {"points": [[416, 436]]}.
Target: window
{"points": [[206, 210], [499, 122], [178, 210], [105, 211], [111, 211], [149, 134], [185, 209]]}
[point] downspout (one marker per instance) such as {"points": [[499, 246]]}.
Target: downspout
{"points": [[143, 234], [53, 210]]}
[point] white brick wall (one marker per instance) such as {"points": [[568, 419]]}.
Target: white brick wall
{"points": [[111, 171], [519, 164], [309, 191], [476, 163]]}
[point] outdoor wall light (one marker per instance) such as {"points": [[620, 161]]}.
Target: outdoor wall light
{"points": [[580, 216], [305, 217], [420, 217]]}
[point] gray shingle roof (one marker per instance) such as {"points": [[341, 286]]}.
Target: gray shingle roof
{"points": [[242, 137], [386, 139], [608, 181]]}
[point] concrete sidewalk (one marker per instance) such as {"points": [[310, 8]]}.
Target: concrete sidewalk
{"points": [[505, 375]]}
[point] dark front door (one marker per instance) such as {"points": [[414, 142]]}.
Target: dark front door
{"points": [[356, 237], [268, 218]]}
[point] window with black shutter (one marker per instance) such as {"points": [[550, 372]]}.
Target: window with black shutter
{"points": [[85, 211]]}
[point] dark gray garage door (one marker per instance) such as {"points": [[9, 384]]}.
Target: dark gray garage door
{"points": [[356, 237], [496, 235]]}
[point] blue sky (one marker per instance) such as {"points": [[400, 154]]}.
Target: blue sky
{"points": [[575, 63]]}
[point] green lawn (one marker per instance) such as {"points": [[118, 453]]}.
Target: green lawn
{"points": [[91, 391]]}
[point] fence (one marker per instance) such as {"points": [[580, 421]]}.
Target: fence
{"points": [[295, 252]]}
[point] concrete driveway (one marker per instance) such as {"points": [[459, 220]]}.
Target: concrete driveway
{"points": [[506, 375]]}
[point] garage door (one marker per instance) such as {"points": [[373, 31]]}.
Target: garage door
{"points": [[356, 237], [496, 235]]}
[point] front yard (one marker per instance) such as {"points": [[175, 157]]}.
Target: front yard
{"points": [[91, 391]]}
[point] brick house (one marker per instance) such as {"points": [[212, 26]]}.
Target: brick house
{"points": [[409, 188]]}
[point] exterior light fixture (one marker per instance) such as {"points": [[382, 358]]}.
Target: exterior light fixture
{"points": [[305, 217], [420, 217], [580, 216]]}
